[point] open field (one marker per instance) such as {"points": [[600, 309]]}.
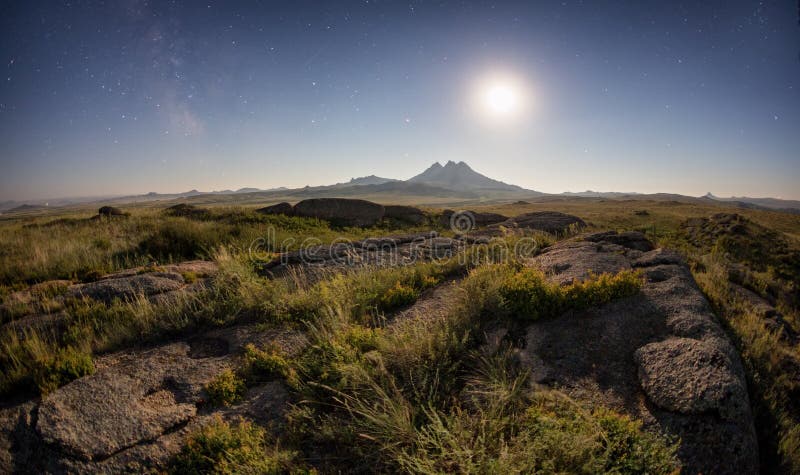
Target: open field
{"points": [[376, 384]]}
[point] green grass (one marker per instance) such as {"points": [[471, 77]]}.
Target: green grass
{"points": [[74, 247], [418, 396], [528, 295]]}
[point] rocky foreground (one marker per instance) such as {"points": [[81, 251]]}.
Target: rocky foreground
{"points": [[660, 356]]}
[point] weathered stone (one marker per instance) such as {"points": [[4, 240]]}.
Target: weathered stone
{"points": [[135, 401], [547, 221], [692, 377], [111, 211], [659, 356], [341, 211], [629, 239], [406, 214], [284, 208], [123, 288]]}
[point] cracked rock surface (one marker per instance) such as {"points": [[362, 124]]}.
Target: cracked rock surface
{"points": [[136, 410]]}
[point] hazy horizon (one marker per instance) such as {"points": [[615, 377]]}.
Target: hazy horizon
{"points": [[130, 97]]}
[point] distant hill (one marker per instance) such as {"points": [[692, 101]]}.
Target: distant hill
{"points": [[454, 183], [599, 194], [790, 206], [459, 176], [368, 180]]}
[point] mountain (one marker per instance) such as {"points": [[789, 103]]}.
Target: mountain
{"points": [[459, 176]]}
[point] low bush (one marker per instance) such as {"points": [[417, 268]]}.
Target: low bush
{"points": [[527, 293], [398, 296], [259, 365], [226, 389], [66, 365], [223, 448]]}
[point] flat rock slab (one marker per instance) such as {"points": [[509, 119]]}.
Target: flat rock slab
{"points": [[124, 288], [659, 356], [125, 404]]}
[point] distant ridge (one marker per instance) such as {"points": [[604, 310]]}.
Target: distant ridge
{"points": [[459, 176], [368, 180], [454, 182], [791, 206]]}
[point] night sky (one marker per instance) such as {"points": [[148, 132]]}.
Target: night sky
{"points": [[118, 97]]}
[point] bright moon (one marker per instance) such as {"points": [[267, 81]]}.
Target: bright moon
{"points": [[500, 98]]}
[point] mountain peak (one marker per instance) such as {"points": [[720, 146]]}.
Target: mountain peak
{"points": [[459, 176]]}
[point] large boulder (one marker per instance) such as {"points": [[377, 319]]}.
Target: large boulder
{"points": [[547, 221], [485, 219], [341, 211], [109, 211], [284, 208], [406, 214], [659, 356], [464, 221]]}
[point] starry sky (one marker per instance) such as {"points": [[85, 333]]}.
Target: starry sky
{"points": [[130, 96]]}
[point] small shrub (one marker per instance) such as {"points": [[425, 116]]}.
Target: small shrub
{"points": [[223, 448], [528, 294], [189, 276], [398, 296], [226, 389], [66, 365], [260, 365]]}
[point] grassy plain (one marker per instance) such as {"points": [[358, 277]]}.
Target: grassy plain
{"points": [[419, 397]]}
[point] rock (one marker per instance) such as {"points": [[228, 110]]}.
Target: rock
{"points": [[284, 208], [466, 220], [629, 239], [485, 219], [341, 211], [692, 377], [547, 221], [406, 214], [444, 218], [134, 401], [577, 259], [136, 411], [659, 356], [109, 211], [125, 288], [658, 257], [383, 251]]}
